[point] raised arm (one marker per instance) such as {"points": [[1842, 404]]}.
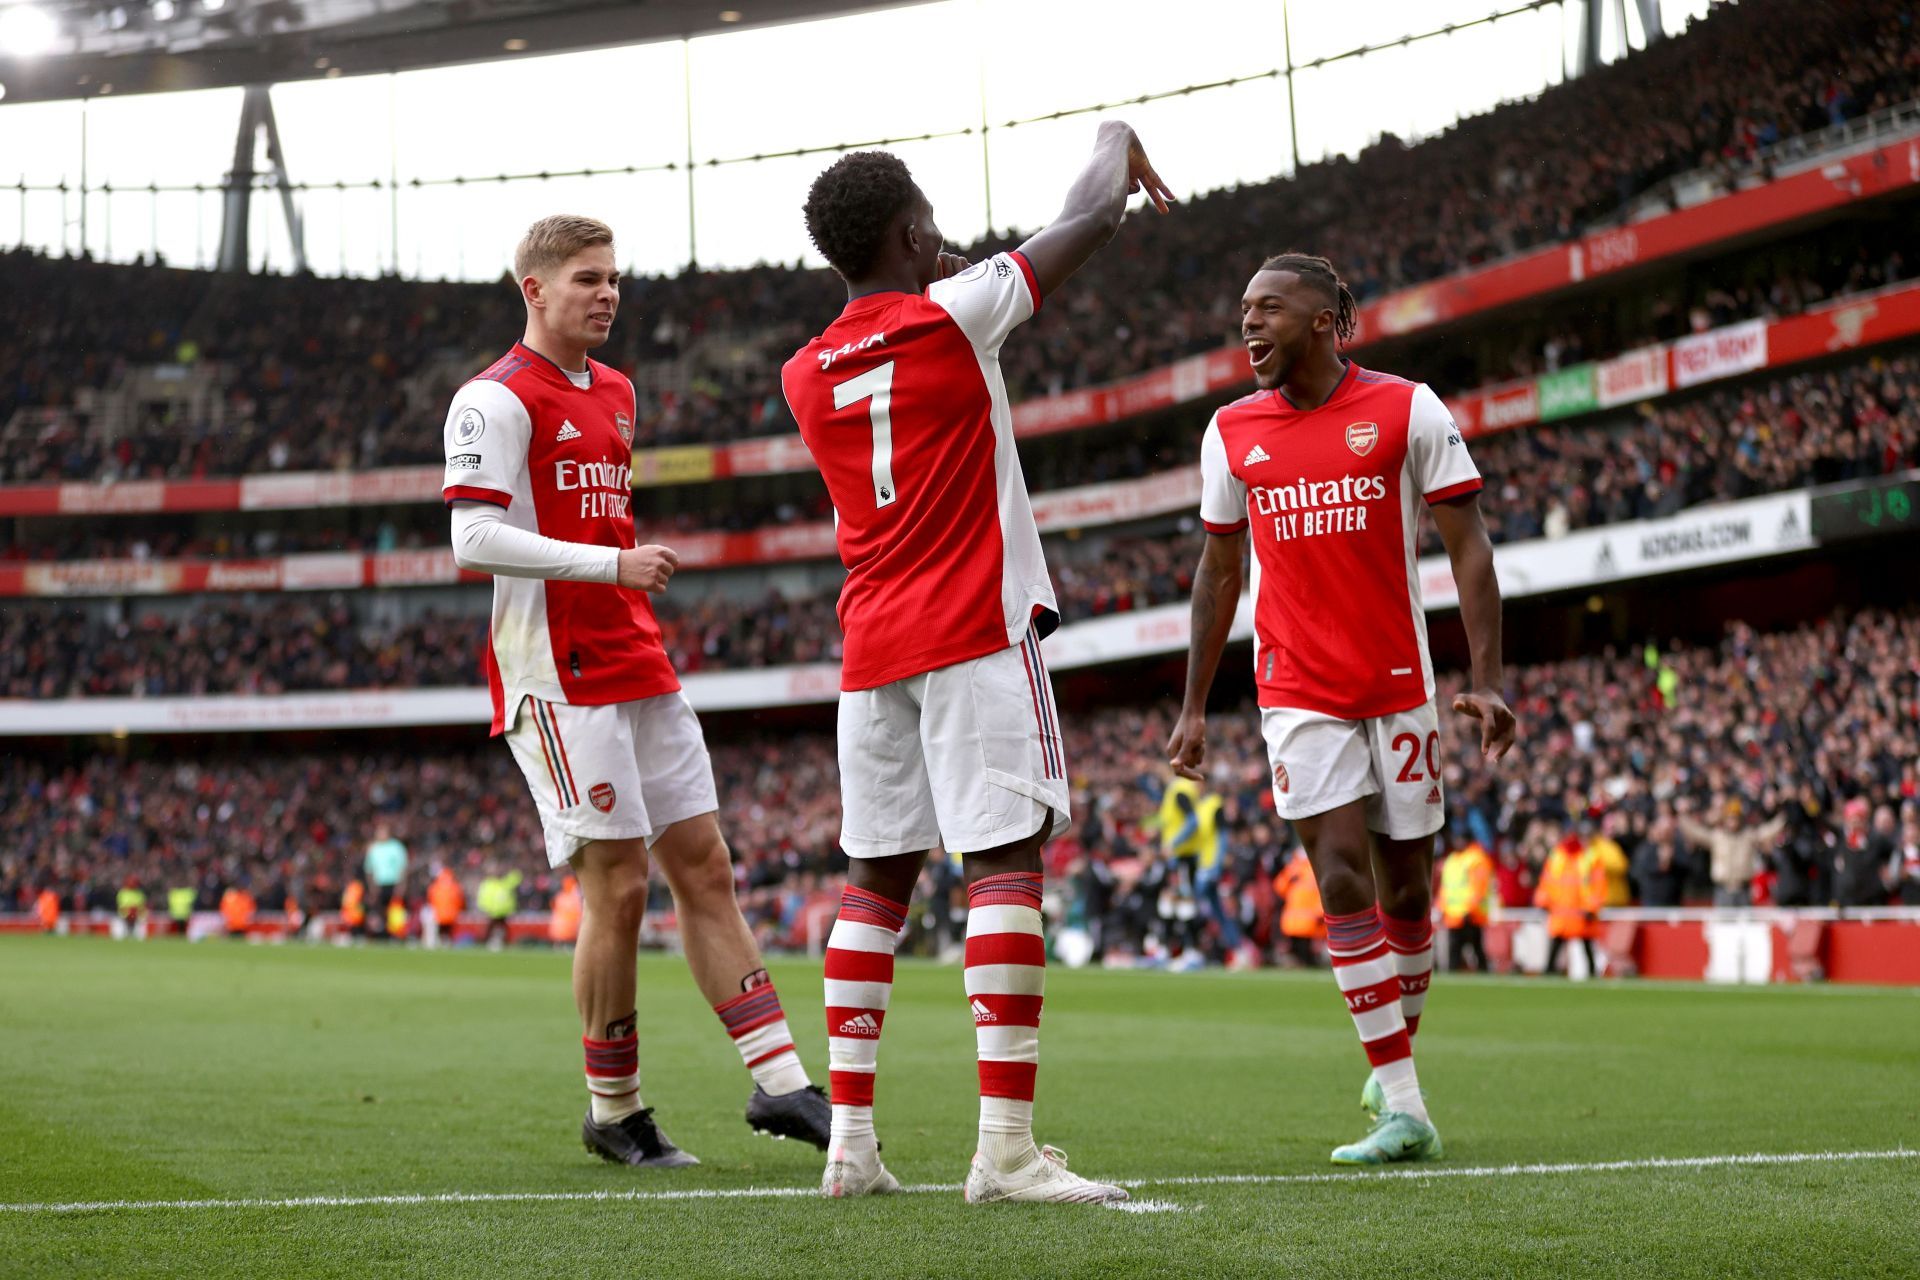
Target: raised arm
{"points": [[1216, 596], [1095, 204], [1471, 551]]}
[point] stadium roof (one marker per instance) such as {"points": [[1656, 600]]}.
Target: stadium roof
{"points": [[150, 46]]}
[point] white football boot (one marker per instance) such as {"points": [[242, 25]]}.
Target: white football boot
{"points": [[1042, 1181], [856, 1173]]}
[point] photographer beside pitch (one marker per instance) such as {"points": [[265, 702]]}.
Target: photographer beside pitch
{"points": [[539, 477], [1324, 468]]}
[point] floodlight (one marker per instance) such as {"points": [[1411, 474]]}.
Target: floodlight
{"points": [[27, 30]]}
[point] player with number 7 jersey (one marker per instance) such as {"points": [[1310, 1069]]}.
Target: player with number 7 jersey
{"points": [[947, 729]]}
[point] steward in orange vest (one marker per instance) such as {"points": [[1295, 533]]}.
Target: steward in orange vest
{"points": [[353, 907], [1573, 888], [237, 908], [563, 926], [1302, 917]]}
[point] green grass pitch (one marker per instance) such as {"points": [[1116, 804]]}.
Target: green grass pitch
{"points": [[163, 1072]]}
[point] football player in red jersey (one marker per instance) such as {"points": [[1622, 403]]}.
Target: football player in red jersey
{"points": [[1325, 469], [539, 478], [947, 731]]}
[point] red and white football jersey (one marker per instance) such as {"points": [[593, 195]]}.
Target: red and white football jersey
{"points": [[902, 404], [557, 456], [1331, 495]]}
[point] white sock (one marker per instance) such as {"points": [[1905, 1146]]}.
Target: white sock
{"points": [[1006, 1134], [613, 1097], [1402, 1085]]}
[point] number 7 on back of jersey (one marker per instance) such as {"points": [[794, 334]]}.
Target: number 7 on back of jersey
{"points": [[875, 386]]}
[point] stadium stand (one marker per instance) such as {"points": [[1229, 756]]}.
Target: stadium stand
{"points": [[293, 375], [1626, 744], [336, 374], [1848, 422]]}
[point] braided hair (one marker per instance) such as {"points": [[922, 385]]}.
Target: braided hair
{"points": [[1320, 273]]}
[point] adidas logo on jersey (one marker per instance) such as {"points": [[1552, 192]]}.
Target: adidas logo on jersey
{"points": [[981, 1013], [1433, 795], [567, 432], [1255, 454], [864, 1024]]}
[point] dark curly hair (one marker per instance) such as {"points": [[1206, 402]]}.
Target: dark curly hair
{"points": [[851, 205], [1320, 273]]}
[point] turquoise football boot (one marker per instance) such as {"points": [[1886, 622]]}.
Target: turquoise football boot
{"points": [[1396, 1137]]}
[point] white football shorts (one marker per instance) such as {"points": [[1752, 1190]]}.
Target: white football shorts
{"points": [[618, 771], [1321, 762], [968, 756]]}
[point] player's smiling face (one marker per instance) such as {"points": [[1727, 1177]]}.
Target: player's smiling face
{"points": [[583, 296], [1279, 315]]}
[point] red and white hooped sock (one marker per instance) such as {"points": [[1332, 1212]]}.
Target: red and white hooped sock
{"points": [[1363, 966], [758, 1026], [1006, 980], [1411, 942], [859, 985], [613, 1077]]}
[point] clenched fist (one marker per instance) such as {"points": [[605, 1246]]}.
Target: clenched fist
{"points": [[647, 568]]}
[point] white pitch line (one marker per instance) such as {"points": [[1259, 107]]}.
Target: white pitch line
{"points": [[1421, 1173]]}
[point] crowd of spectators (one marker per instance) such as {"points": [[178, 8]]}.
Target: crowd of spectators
{"points": [[1768, 435], [1799, 747], [1842, 423], [268, 645], [352, 374], [1816, 427]]}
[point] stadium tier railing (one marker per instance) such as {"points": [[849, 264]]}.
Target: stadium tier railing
{"points": [[1746, 531], [1890, 167]]}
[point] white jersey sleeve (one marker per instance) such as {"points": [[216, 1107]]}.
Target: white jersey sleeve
{"points": [[1436, 451], [989, 299], [1223, 498], [486, 437], [484, 542]]}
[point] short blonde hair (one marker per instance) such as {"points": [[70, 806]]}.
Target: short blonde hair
{"points": [[551, 241]]}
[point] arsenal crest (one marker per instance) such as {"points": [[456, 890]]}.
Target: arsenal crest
{"points": [[601, 796], [625, 425], [1280, 779], [1362, 436]]}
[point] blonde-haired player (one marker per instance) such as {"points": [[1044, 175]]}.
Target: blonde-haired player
{"points": [[539, 477]]}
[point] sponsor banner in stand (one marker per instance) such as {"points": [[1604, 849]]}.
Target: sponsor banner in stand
{"points": [[101, 578], [1568, 392], [239, 712], [1720, 353], [388, 486], [1731, 532], [1513, 407], [1846, 324], [1637, 375], [686, 464], [1162, 494], [413, 568], [323, 570]]}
